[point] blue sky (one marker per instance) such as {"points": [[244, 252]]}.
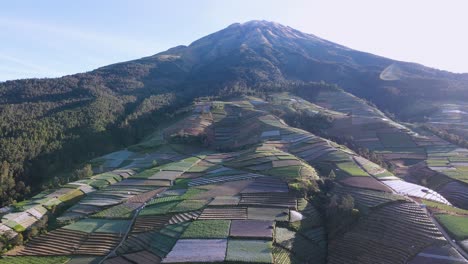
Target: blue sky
{"points": [[51, 38]]}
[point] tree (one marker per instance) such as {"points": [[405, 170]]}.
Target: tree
{"points": [[347, 202], [85, 172], [332, 175]]}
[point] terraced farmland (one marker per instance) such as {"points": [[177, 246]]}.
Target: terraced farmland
{"points": [[247, 193]]}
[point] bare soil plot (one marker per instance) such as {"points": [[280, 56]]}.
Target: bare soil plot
{"points": [[147, 223], [58, 242], [184, 217], [260, 229], [197, 250], [99, 244]]}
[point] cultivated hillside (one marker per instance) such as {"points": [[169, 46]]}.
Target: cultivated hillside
{"points": [[200, 190]]}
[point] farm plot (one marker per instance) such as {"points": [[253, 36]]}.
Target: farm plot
{"points": [[303, 248], [456, 193], [184, 217], [144, 182], [99, 225], [373, 239], [19, 221], [368, 199], [58, 242], [265, 159], [78, 211], [283, 256], [189, 205], [150, 223], [266, 184], [366, 183], [223, 189], [159, 208], [113, 195], [121, 211], [351, 168], [197, 250], [252, 229], [396, 140], [141, 257], [220, 179], [228, 213], [256, 251], [157, 242], [35, 260], [415, 190], [207, 229], [269, 214], [456, 225], [268, 200], [225, 201], [98, 244], [440, 254]]}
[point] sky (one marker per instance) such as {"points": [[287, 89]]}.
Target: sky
{"points": [[51, 38]]}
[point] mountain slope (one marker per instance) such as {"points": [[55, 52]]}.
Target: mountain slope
{"points": [[50, 125]]}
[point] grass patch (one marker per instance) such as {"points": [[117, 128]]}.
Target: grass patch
{"points": [[35, 260], [457, 226], [208, 229]]}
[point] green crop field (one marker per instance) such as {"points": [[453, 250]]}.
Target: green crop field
{"points": [[256, 251], [99, 225], [159, 208], [457, 226], [34, 260], [444, 207], [189, 205], [208, 229], [351, 168]]}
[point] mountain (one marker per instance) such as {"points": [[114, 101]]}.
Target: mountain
{"points": [[255, 144], [48, 126]]}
